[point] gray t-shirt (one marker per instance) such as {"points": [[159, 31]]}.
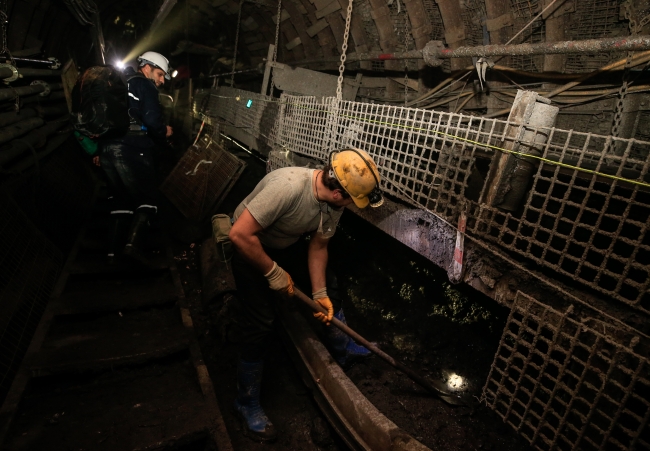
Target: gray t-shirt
{"points": [[284, 204]]}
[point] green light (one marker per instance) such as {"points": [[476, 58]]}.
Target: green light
{"points": [[249, 103]]}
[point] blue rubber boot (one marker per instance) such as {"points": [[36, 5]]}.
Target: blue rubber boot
{"points": [[344, 349], [247, 404]]}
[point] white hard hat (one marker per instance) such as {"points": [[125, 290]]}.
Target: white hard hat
{"points": [[156, 60]]}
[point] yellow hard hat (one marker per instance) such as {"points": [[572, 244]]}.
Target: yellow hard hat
{"points": [[357, 173]]}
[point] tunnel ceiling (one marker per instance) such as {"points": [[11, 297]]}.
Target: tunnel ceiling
{"points": [[313, 29]]}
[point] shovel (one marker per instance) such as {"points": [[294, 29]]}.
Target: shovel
{"points": [[435, 388]]}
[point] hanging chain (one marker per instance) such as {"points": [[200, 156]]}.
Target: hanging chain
{"points": [[4, 23], [407, 46], [344, 48], [275, 49], [622, 92], [234, 58]]}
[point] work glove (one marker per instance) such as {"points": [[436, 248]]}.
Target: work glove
{"points": [[280, 280], [320, 297]]}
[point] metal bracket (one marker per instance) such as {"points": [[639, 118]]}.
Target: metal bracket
{"points": [[431, 53], [15, 75], [55, 63], [47, 90]]}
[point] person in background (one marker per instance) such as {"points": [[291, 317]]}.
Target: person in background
{"points": [[128, 161]]}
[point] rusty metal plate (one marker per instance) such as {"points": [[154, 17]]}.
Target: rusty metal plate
{"points": [[202, 178]]}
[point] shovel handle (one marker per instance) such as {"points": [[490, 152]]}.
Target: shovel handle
{"points": [[445, 396]]}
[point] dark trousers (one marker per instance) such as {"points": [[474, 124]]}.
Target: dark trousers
{"points": [[131, 175], [256, 308]]}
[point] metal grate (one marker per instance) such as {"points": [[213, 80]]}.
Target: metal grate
{"points": [[435, 19], [29, 267], [363, 10], [255, 113], [202, 178], [524, 11], [594, 19], [567, 383], [474, 16], [590, 228]]}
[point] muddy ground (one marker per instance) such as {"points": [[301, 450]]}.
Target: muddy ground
{"points": [[394, 297]]}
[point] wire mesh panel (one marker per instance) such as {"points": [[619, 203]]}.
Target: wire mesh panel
{"points": [[407, 144], [29, 267], [590, 227], [594, 19], [566, 383], [303, 126], [255, 113], [584, 214], [202, 178]]}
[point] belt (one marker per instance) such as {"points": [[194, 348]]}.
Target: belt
{"points": [[137, 130]]}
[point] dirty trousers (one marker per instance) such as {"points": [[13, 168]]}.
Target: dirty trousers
{"points": [[256, 308], [131, 174]]}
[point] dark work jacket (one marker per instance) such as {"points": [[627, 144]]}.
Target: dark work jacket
{"points": [[145, 109]]}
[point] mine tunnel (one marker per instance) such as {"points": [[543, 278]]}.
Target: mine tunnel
{"points": [[496, 289]]}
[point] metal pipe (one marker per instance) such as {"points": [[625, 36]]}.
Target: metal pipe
{"points": [[25, 144], [52, 110], [37, 98], [25, 163], [27, 72], [19, 129], [13, 117], [12, 93], [604, 45], [435, 51], [34, 61]]}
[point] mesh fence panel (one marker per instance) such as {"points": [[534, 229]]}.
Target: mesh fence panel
{"points": [[566, 383], [587, 226], [254, 113]]}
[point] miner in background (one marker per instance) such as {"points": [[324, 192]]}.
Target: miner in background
{"points": [[286, 204], [129, 161]]}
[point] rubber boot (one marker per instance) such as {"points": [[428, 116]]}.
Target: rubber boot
{"points": [[344, 349], [118, 228], [247, 404], [136, 237]]}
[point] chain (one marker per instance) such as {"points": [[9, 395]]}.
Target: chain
{"points": [[407, 46], [344, 48], [275, 49], [4, 21], [622, 92], [234, 58]]}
